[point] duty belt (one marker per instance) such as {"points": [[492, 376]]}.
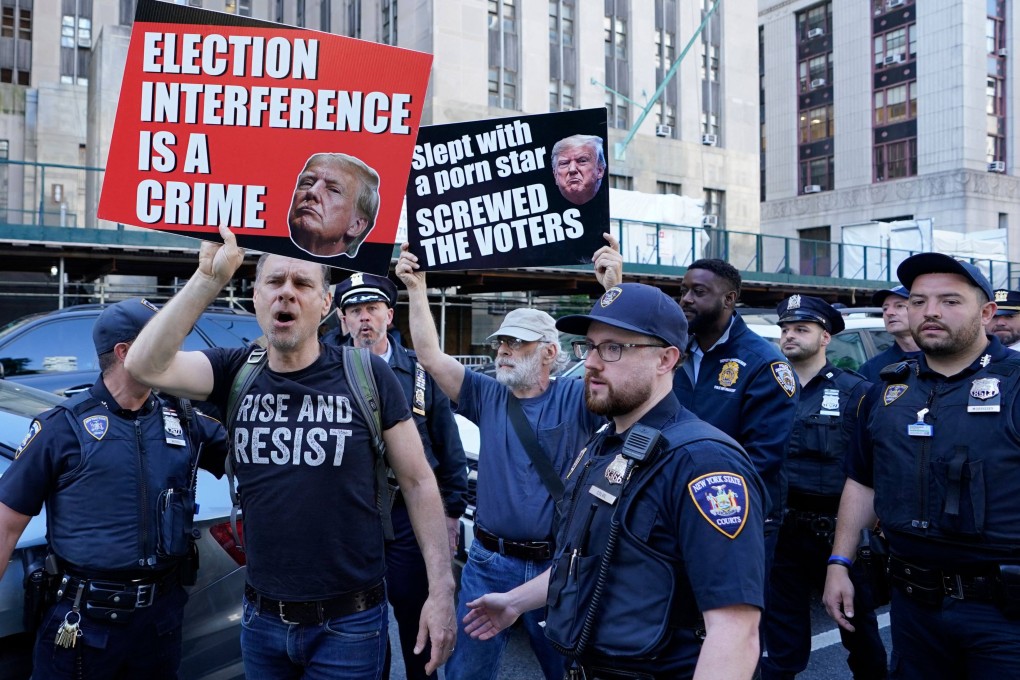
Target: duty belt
{"points": [[112, 600], [317, 612], [930, 586], [525, 550]]}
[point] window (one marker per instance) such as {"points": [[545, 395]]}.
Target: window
{"points": [[896, 104], [15, 31], [562, 55], [817, 172], [715, 204], [389, 22], [300, 13], [711, 94], [815, 255], [818, 18], [895, 47], [896, 159], [353, 18], [239, 7], [325, 16], [621, 182], [665, 55], [668, 188], [815, 72], [503, 54], [816, 124], [75, 43], [617, 54], [995, 83]]}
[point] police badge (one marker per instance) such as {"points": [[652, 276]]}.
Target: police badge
{"points": [[172, 428], [729, 374], [617, 469], [610, 296], [830, 403], [984, 396], [96, 426], [794, 302]]}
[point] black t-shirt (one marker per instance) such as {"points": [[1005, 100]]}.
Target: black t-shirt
{"points": [[306, 474]]}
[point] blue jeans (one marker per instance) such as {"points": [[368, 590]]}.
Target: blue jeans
{"points": [[489, 572], [347, 648]]}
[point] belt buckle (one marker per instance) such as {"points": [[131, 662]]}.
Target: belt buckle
{"points": [[283, 614], [953, 586], [145, 595]]}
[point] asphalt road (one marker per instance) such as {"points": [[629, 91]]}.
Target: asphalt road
{"points": [[828, 658]]}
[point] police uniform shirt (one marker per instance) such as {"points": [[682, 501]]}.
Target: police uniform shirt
{"points": [[702, 509], [51, 451], [305, 468], [512, 501], [434, 419], [976, 453], [826, 421], [749, 391]]}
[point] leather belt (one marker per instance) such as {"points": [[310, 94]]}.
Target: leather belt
{"points": [[930, 586], [317, 612], [525, 550], [110, 599]]}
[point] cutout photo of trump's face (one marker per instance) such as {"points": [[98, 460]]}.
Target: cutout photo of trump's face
{"points": [[334, 206], [578, 164]]}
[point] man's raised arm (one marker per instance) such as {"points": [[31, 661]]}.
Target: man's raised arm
{"points": [[155, 357], [444, 369]]}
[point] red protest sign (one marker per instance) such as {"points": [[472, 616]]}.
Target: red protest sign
{"points": [[299, 141]]}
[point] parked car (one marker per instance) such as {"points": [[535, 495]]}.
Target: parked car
{"points": [[53, 351], [212, 630]]}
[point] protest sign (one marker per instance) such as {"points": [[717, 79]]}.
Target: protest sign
{"points": [[299, 141], [528, 191]]}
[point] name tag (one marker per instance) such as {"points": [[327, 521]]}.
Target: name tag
{"points": [[920, 430], [602, 495]]}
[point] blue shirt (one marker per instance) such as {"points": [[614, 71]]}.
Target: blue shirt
{"points": [[512, 501]]}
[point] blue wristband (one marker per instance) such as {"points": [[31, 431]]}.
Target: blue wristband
{"points": [[841, 561]]}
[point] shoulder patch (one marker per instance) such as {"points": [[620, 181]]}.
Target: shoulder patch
{"points": [[893, 392], [721, 498], [96, 426], [783, 374], [33, 430]]}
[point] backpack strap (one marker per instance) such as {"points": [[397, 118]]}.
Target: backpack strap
{"points": [[243, 380], [361, 381]]}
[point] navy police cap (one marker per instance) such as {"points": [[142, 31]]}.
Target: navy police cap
{"points": [[1008, 302], [360, 288], [807, 308], [121, 322], [939, 263], [634, 307], [879, 296]]}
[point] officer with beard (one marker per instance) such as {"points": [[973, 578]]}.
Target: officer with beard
{"points": [[514, 526], [1005, 325], [826, 418], [937, 457], [736, 380]]}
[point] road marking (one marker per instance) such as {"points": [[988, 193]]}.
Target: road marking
{"points": [[831, 637]]}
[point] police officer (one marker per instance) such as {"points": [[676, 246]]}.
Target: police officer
{"points": [[938, 459], [662, 520], [893, 302], [826, 416], [115, 466], [1005, 325], [365, 305], [736, 380]]}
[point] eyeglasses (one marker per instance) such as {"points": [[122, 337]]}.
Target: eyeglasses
{"points": [[513, 343], [608, 351]]}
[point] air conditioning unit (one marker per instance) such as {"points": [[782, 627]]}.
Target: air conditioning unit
{"points": [[893, 4], [817, 82], [997, 166], [894, 59], [709, 140], [663, 130], [1002, 51], [812, 188], [710, 221], [815, 33]]}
